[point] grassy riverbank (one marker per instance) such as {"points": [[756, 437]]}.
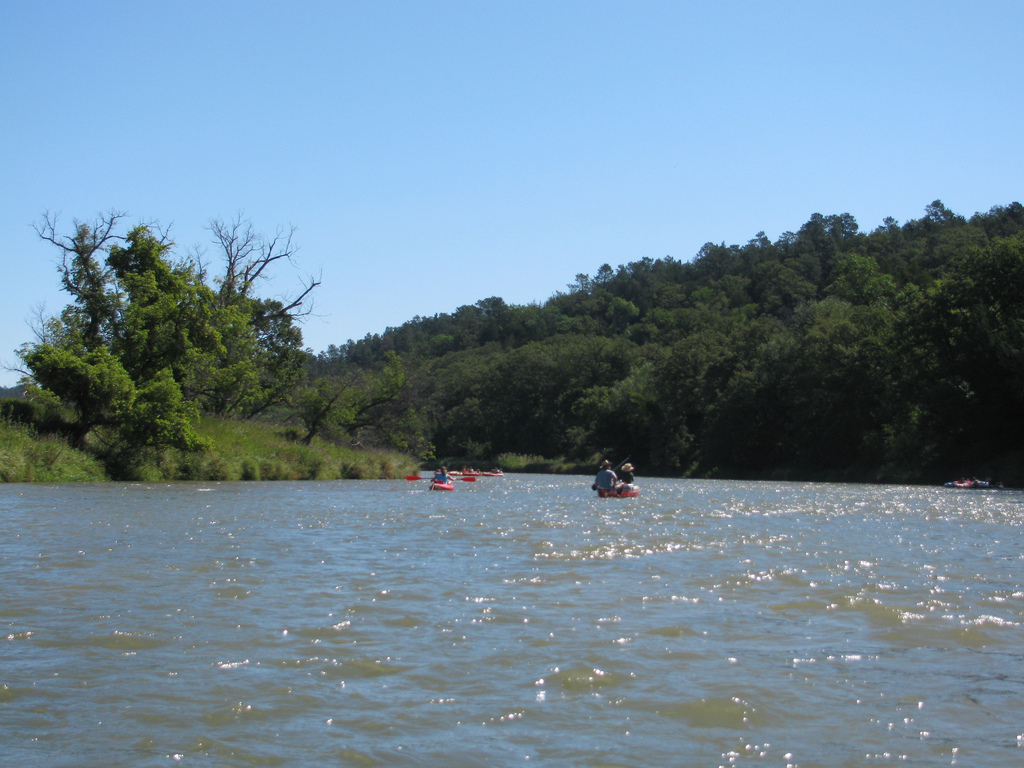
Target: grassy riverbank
{"points": [[26, 458], [239, 451]]}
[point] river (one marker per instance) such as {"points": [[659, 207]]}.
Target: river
{"points": [[514, 621]]}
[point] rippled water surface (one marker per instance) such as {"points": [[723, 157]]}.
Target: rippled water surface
{"points": [[513, 621]]}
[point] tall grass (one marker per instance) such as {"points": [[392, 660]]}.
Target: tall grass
{"points": [[517, 462], [26, 457], [239, 451], [244, 450]]}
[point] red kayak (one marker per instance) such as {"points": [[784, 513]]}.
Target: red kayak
{"points": [[626, 491], [436, 486]]}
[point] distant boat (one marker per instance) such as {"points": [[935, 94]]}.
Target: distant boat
{"points": [[974, 485]]}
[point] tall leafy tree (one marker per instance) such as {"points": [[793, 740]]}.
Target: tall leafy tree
{"points": [[262, 357], [91, 385], [85, 276], [164, 317], [117, 356], [145, 342]]}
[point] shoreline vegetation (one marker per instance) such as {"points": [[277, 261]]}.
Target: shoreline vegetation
{"points": [[239, 450], [251, 451], [829, 355]]}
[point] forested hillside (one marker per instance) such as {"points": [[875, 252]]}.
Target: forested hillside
{"points": [[831, 353]]}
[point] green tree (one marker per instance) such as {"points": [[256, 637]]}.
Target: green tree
{"points": [[969, 331], [625, 417], [332, 406], [137, 329], [92, 385], [85, 276], [859, 280], [726, 386], [262, 357], [835, 388], [164, 319]]}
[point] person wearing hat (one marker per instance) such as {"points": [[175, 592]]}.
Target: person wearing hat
{"points": [[626, 474], [606, 478]]}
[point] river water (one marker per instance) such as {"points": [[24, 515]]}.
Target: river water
{"points": [[514, 621]]}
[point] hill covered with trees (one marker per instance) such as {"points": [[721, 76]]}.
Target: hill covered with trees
{"points": [[831, 353]]}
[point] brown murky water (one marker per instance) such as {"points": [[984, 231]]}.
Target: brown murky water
{"points": [[512, 622]]}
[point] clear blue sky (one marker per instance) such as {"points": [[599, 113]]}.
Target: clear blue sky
{"points": [[432, 154]]}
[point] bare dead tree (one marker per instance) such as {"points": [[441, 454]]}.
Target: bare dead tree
{"points": [[80, 250], [41, 325], [196, 257], [248, 254], [83, 273]]}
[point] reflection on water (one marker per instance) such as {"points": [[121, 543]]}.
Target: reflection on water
{"points": [[515, 621]]}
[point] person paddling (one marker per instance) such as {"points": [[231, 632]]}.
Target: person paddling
{"points": [[606, 477]]}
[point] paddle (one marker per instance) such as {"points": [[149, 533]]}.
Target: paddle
{"points": [[417, 477]]}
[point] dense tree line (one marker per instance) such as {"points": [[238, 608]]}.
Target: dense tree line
{"points": [[831, 353], [894, 354]]}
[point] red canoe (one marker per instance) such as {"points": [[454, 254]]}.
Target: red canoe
{"points": [[618, 493], [435, 486]]}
